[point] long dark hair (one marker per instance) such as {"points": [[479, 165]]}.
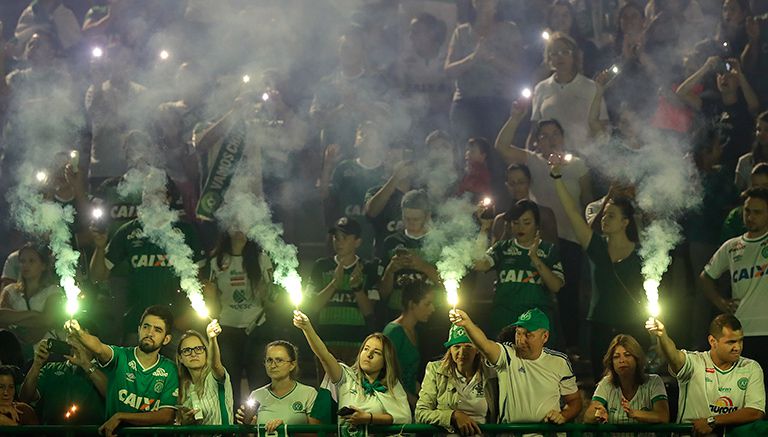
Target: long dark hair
{"points": [[633, 347], [757, 150], [628, 212], [619, 36], [251, 253]]}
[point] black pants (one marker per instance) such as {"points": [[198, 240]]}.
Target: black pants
{"points": [[757, 349], [240, 353], [571, 255]]}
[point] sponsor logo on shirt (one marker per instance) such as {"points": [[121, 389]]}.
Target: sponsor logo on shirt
{"points": [[723, 405], [750, 273], [521, 369], [724, 389], [123, 211], [132, 364], [519, 276], [394, 225], [710, 370], [140, 403], [153, 260], [353, 210], [130, 377], [160, 372]]}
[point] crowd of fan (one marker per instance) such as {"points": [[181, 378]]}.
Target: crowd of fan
{"points": [[361, 118]]}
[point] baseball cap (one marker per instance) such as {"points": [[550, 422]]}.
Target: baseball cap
{"points": [[532, 320], [348, 226], [457, 335]]}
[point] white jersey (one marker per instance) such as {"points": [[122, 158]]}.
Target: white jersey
{"points": [[215, 402], [747, 260], [529, 389], [650, 392], [351, 394], [293, 408], [705, 390]]}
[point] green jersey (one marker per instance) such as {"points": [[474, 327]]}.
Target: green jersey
{"points": [[151, 278], [117, 210], [519, 286], [340, 322], [733, 226], [398, 241], [349, 183], [134, 389], [388, 221], [62, 385]]}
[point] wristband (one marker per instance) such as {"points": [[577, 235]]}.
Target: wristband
{"points": [[555, 176]]}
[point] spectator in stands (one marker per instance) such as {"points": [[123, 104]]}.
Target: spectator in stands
{"points": [[477, 175], [518, 185], [546, 380], [759, 153], [370, 387], [754, 59], [700, 396], [458, 391], [345, 289], [34, 292], [205, 388], [418, 306], [617, 282], [383, 202], [151, 395], [238, 295], [528, 269], [49, 16], [734, 106], [484, 58], [13, 413], [67, 390], [731, 31], [626, 394], [566, 95], [284, 401], [403, 258], [561, 18], [733, 226]]}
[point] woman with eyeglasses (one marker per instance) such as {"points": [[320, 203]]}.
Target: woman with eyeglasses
{"points": [[284, 401], [205, 390]]}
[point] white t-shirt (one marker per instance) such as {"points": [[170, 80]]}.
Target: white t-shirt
{"points": [[471, 396], [568, 104], [209, 403], [746, 259], [293, 408], [646, 396], [350, 393], [11, 267], [240, 306], [529, 389], [543, 189], [16, 300], [705, 390], [744, 171]]}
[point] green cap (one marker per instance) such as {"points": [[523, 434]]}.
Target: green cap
{"points": [[533, 320], [457, 335]]}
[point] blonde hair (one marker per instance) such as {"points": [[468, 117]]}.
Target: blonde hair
{"points": [[389, 374], [578, 56], [185, 377], [447, 363]]}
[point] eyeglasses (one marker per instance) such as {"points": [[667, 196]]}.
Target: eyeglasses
{"points": [[563, 52], [276, 361], [187, 351]]}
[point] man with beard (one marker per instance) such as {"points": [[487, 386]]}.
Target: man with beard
{"points": [[144, 385]]}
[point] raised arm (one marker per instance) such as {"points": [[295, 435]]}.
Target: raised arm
{"points": [[675, 357], [580, 226], [753, 103], [101, 351], [685, 90], [330, 365], [375, 205], [504, 140], [488, 348], [214, 353]]}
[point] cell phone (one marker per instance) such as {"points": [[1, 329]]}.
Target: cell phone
{"points": [[57, 349], [345, 411]]}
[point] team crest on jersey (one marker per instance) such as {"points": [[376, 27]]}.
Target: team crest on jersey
{"points": [[297, 406], [478, 390], [743, 383], [160, 372], [132, 364], [159, 386], [723, 405], [764, 252]]}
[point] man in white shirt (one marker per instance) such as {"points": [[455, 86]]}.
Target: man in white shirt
{"points": [[718, 387], [532, 378], [745, 258]]}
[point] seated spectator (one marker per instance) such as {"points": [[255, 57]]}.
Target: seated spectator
{"points": [[34, 292], [626, 394], [205, 389], [518, 185], [758, 155], [345, 289], [546, 380], [458, 392], [733, 106], [733, 226], [67, 390], [49, 16], [528, 270], [369, 389], [418, 306], [13, 413], [284, 401], [239, 295], [477, 176]]}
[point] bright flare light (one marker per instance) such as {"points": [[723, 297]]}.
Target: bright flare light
{"points": [[97, 52], [651, 287], [250, 403], [72, 293], [97, 213], [164, 54], [265, 96], [41, 176], [246, 78], [615, 69], [487, 201], [452, 291], [568, 157], [198, 304], [526, 93], [292, 284], [545, 35]]}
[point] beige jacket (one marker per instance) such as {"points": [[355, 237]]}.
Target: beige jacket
{"points": [[438, 397]]}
